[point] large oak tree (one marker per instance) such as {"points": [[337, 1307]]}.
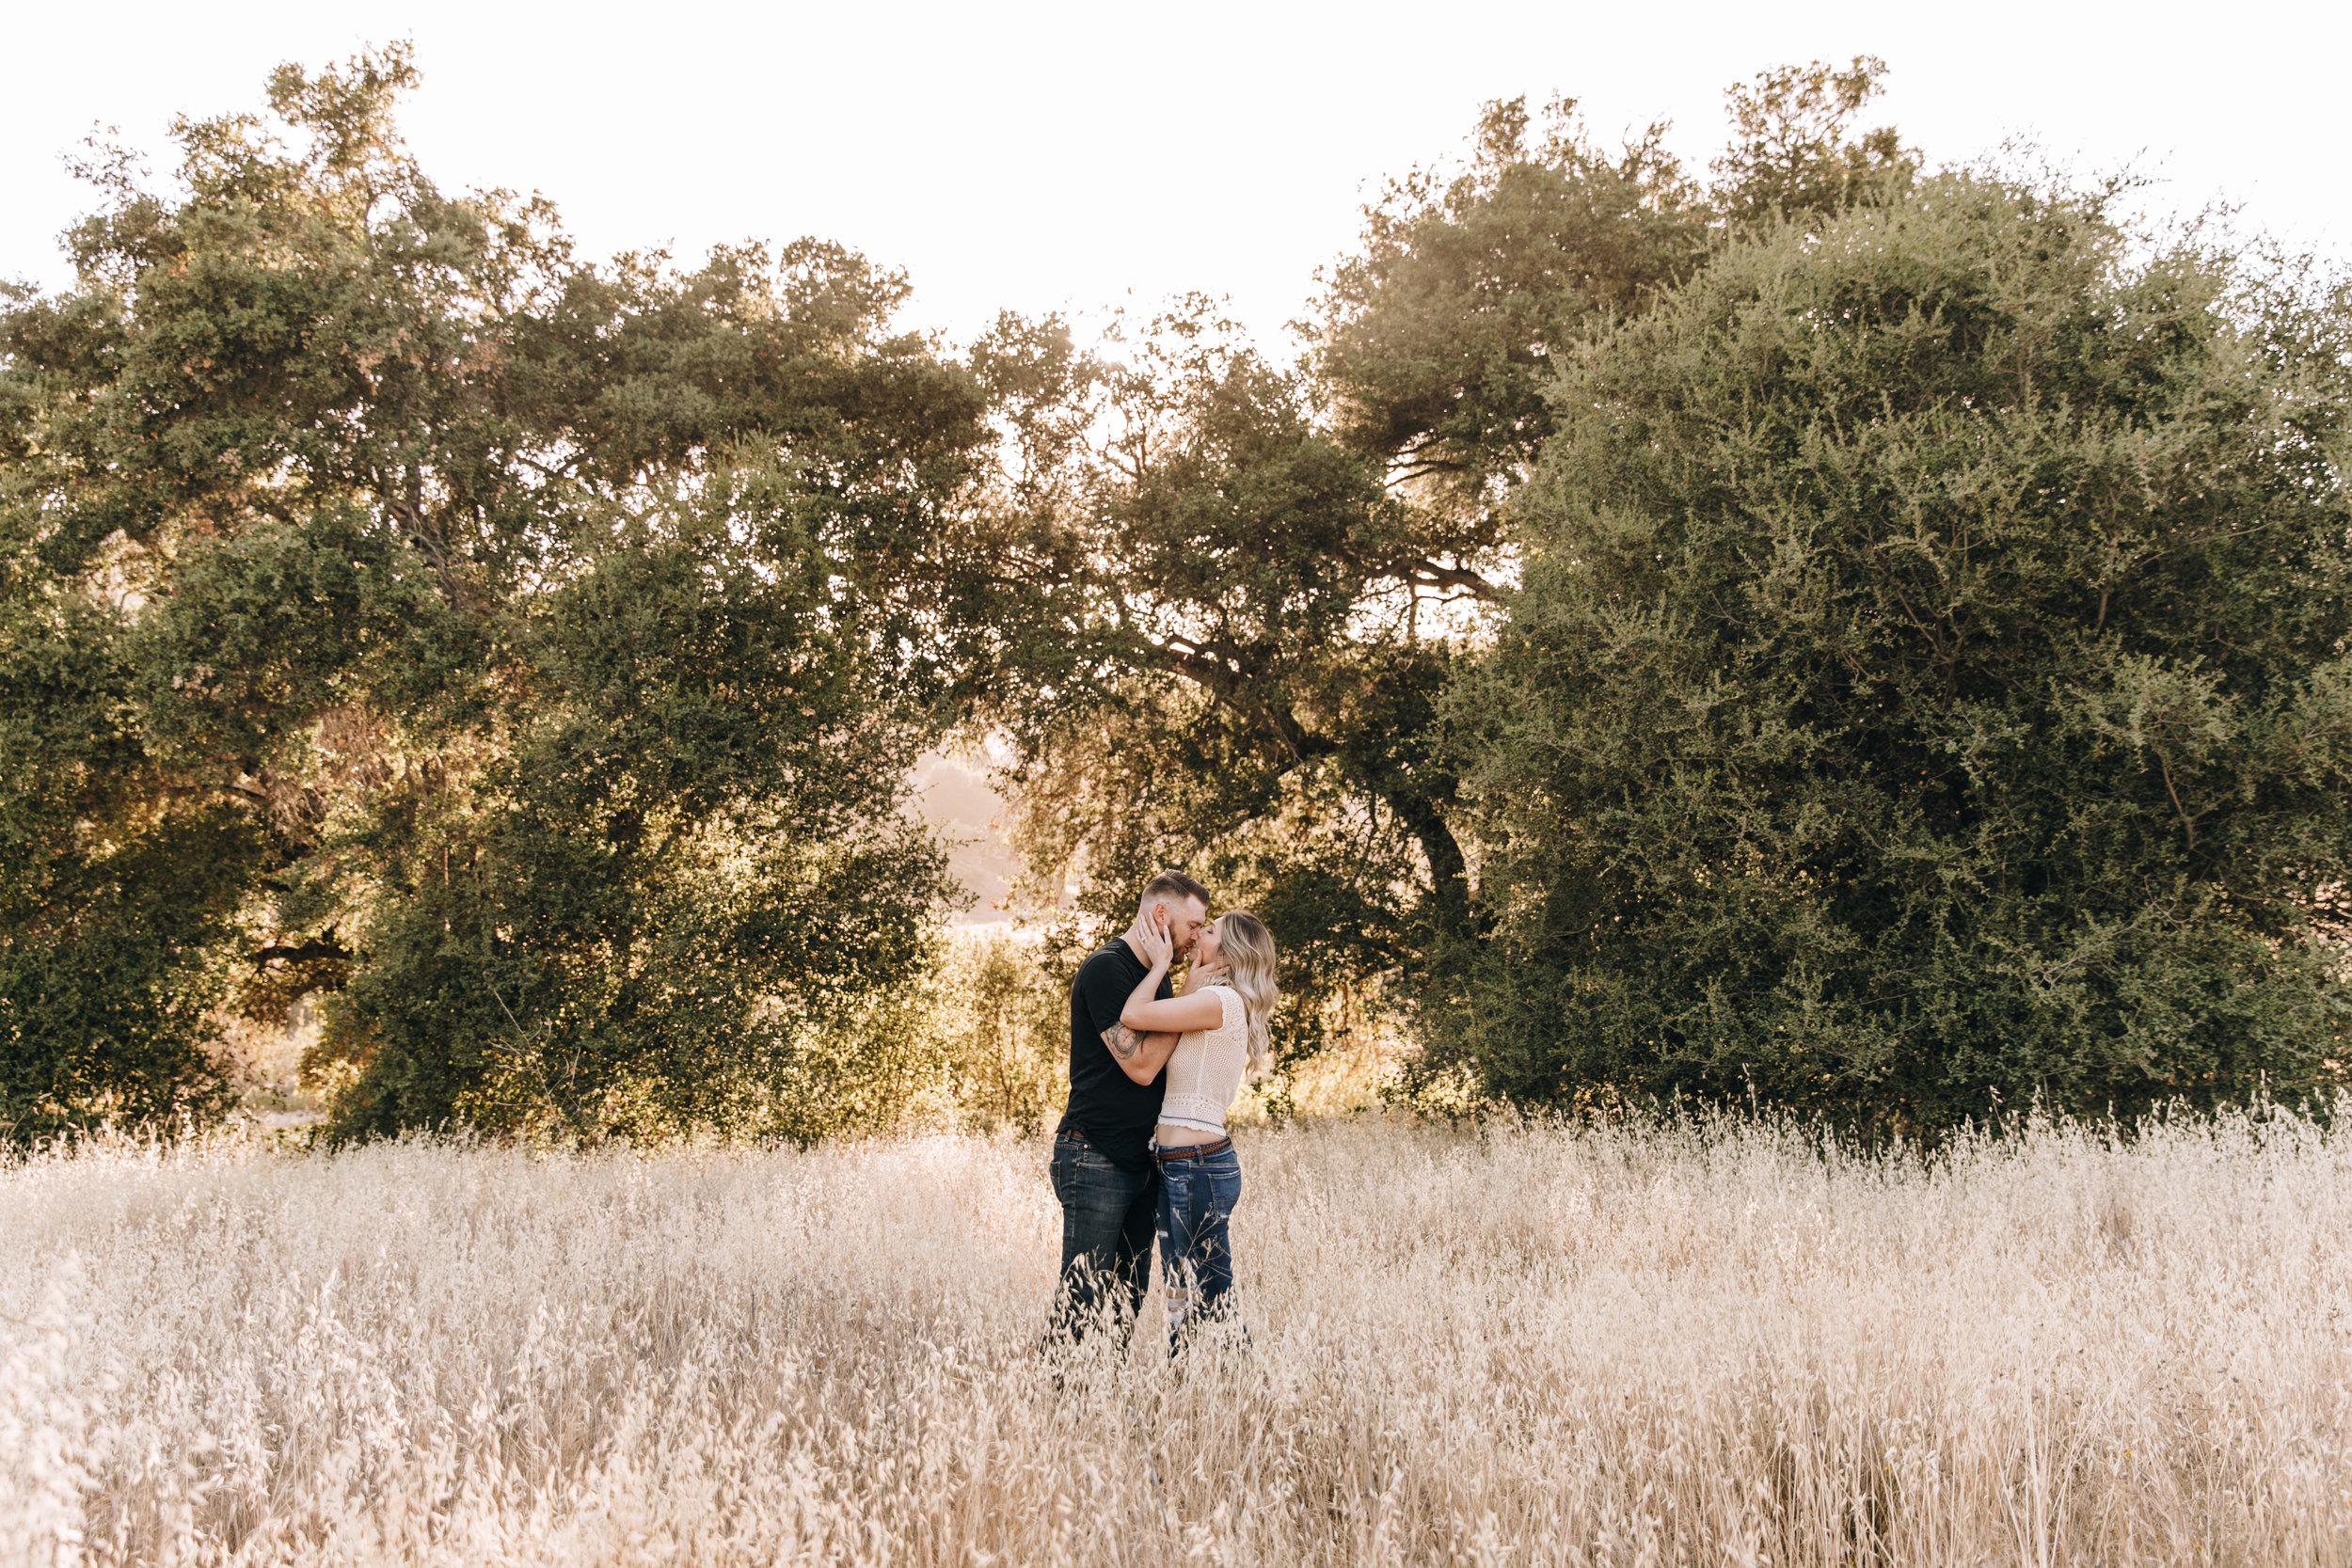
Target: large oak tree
{"points": [[1237, 592], [524, 655]]}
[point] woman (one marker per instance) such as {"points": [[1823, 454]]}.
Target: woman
{"points": [[1222, 1019]]}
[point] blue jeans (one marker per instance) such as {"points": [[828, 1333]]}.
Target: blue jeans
{"points": [[1196, 1198], [1105, 1239]]}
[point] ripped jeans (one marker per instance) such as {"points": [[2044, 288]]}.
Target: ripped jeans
{"points": [[1196, 1198]]}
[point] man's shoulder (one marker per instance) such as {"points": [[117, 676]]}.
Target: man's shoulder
{"points": [[1102, 982], [1112, 956]]}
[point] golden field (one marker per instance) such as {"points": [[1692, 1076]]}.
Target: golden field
{"points": [[1519, 1344]]}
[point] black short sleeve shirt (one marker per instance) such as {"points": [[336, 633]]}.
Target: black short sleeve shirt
{"points": [[1114, 1112]]}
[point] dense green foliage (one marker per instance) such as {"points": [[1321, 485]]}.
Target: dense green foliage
{"points": [[391, 600], [1215, 662], [1827, 632], [1930, 684], [1250, 587]]}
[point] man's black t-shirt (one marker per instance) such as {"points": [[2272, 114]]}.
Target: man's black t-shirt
{"points": [[1114, 1112]]}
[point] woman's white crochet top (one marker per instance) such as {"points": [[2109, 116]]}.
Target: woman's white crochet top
{"points": [[1205, 1072]]}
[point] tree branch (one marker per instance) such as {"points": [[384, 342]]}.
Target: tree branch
{"points": [[1428, 574]]}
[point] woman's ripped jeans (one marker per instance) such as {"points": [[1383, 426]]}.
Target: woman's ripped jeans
{"points": [[1196, 1198]]}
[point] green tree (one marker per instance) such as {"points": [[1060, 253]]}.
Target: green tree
{"points": [[1791, 158], [1236, 590], [1194, 670], [115, 895], [1930, 683], [1005, 1019], [1441, 330], [1238, 593], [390, 596]]}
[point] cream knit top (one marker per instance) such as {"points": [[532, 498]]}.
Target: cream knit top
{"points": [[1205, 1072]]}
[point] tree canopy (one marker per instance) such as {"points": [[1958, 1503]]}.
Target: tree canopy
{"points": [[1830, 631], [1257, 583], [1930, 689], [525, 652]]}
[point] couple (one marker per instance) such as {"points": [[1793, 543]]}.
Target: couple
{"points": [[1144, 1147]]}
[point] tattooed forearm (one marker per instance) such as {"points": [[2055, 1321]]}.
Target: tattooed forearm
{"points": [[1124, 1042]]}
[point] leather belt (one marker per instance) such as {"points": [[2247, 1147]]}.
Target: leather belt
{"points": [[1191, 1151]]}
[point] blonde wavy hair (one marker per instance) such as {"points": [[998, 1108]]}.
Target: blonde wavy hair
{"points": [[1247, 948]]}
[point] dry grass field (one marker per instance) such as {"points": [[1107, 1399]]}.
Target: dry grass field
{"points": [[1521, 1346]]}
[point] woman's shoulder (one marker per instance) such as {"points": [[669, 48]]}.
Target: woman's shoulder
{"points": [[1229, 999]]}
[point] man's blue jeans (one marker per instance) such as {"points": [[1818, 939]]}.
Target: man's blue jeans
{"points": [[1197, 1199], [1107, 1217]]}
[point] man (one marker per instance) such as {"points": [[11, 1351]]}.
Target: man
{"points": [[1102, 1167]]}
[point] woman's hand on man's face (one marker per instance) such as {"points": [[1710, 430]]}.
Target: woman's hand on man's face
{"points": [[1159, 946]]}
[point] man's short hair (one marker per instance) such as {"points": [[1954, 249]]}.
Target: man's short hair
{"points": [[1173, 884]]}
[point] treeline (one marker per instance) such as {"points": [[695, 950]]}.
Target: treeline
{"points": [[1831, 631]]}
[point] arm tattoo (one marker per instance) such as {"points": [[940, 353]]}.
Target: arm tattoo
{"points": [[1124, 1042]]}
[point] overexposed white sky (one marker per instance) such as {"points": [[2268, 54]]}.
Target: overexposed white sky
{"points": [[1039, 156]]}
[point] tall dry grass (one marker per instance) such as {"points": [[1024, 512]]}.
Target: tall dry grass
{"points": [[1705, 1346]]}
